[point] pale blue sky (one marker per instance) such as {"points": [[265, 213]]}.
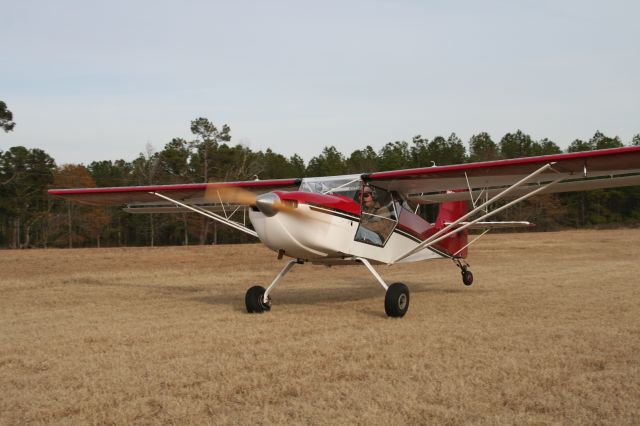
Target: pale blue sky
{"points": [[99, 80]]}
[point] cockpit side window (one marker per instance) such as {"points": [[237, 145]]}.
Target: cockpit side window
{"points": [[379, 216]]}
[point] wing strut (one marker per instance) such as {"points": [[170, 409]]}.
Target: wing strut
{"points": [[450, 229], [208, 214]]}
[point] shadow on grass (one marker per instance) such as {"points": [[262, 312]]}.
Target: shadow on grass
{"points": [[286, 294], [160, 288], [363, 290]]}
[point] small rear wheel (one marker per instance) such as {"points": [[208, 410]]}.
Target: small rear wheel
{"points": [[396, 301], [467, 278], [254, 300]]}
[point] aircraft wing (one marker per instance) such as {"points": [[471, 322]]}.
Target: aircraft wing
{"points": [[143, 195], [605, 168]]}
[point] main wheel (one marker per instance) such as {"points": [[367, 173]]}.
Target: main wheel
{"points": [[467, 277], [396, 301], [254, 300]]}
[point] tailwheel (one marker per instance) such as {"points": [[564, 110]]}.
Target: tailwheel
{"points": [[467, 277], [396, 300], [254, 300]]}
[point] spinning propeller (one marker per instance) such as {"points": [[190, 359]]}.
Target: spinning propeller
{"points": [[268, 203]]}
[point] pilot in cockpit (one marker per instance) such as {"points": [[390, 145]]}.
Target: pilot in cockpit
{"points": [[374, 221]]}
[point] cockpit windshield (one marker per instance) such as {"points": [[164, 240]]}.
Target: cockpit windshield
{"points": [[346, 185]]}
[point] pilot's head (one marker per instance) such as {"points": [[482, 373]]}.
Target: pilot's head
{"points": [[367, 196]]}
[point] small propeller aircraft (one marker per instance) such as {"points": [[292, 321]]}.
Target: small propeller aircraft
{"points": [[372, 218]]}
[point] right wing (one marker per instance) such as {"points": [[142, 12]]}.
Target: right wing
{"points": [[606, 168]]}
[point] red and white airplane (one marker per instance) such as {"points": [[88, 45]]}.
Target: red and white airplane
{"points": [[371, 218]]}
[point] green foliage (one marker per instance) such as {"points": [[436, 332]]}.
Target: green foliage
{"points": [[233, 163], [297, 166], [208, 139], [600, 141], [24, 177], [111, 173], [483, 148], [547, 147], [394, 155], [420, 152], [175, 160], [276, 166], [363, 161], [6, 118], [579, 145], [597, 141], [207, 132], [454, 152], [519, 144], [329, 162], [439, 151]]}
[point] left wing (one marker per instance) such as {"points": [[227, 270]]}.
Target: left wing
{"points": [[192, 193], [207, 199], [605, 168]]}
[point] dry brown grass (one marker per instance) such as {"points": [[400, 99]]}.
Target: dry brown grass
{"points": [[548, 334]]}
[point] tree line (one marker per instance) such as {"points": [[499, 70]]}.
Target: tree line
{"points": [[31, 218]]}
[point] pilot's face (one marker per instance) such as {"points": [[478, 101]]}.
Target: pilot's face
{"points": [[367, 198]]}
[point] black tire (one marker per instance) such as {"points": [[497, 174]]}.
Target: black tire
{"points": [[396, 301], [467, 278], [253, 300]]}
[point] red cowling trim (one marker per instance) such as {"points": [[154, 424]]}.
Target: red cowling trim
{"points": [[334, 202]]}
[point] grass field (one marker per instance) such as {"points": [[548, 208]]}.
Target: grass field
{"points": [[549, 333]]}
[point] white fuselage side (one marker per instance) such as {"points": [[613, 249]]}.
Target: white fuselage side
{"points": [[323, 235]]}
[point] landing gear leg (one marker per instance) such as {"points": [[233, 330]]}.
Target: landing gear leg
{"points": [[396, 299], [257, 299], [467, 276]]}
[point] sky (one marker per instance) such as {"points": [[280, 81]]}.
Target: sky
{"points": [[90, 80]]}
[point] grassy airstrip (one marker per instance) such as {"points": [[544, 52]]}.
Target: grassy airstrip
{"points": [[549, 333]]}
